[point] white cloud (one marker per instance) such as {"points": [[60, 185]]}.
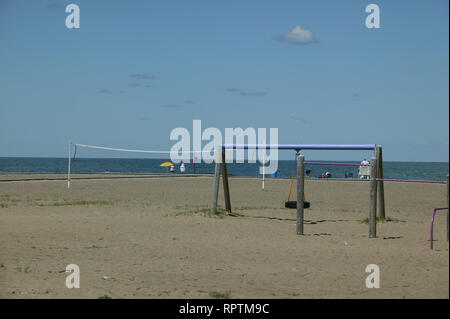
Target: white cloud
{"points": [[245, 93], [297, 35], [143, 76]]}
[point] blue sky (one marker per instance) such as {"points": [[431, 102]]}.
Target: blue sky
{"points": [[135, 70]]}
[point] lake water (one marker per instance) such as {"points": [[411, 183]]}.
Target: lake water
{"points": [[397, 170]]}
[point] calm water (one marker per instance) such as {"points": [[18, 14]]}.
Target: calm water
{"points": [[401, 170]]}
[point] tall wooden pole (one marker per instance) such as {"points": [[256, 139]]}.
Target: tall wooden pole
{"points": [[226, 189], [373, 199], [448, 208], [380, 186], [300, 191], [216, 180]]}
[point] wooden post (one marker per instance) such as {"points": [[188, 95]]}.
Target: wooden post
{"points": [[216, 180], [300, 192], [263, 169], [68, 169], [373, 199], [226, 189], [194, 163], [380, 186], [448, 208]]}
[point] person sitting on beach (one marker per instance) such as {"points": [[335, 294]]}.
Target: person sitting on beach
{"points": [[308, 173], [363, 170]]}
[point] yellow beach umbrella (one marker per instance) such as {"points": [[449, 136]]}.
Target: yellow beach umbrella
{"points": [[166, 164]]}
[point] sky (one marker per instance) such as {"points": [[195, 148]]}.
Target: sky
{"points": [[136, 70]]}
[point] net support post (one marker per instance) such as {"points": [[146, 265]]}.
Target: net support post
{"points": [[380, 187], [373, 199], [68, 168], [263, 169], [300, 192], [226, 189], [216, 180], [448, 209]]}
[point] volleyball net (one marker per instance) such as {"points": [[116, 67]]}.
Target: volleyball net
{"points": [[104, 159], [133, 150]]}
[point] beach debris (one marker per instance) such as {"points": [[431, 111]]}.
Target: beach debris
{"points": [[106, 277]]}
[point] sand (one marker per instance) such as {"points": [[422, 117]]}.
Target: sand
{"points": [[152, 237]]}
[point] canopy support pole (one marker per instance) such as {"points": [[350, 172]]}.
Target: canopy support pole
{"points": [[300, 192]]}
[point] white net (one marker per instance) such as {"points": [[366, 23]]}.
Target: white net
{"points": [[94, 159]]}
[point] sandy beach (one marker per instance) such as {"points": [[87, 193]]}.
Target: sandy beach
{"points": [[153, 237]]}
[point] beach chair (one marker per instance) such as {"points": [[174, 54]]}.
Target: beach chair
{"points": [[364, 172]]}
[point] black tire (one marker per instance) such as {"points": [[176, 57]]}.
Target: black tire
{"points": [[293, 204]]}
